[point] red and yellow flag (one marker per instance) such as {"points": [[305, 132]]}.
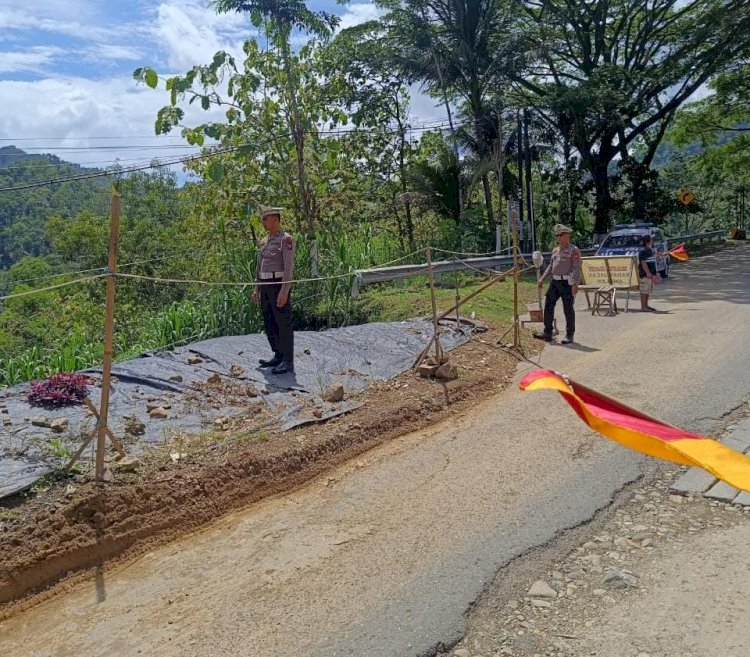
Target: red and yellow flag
{"points": [[642, 433], [679, 252]]}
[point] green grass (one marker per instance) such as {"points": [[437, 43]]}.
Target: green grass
{"points": [[493, 306], [252, 437]]}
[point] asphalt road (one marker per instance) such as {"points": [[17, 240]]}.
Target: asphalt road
{"points": [[385, 555]]}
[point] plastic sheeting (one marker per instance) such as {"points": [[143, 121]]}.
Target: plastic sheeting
{"points": [[353, 356]]}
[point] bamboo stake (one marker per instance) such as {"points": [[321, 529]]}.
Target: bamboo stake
{"points": [[479, 290], [436, 328], [495, 279], [458, 301], [516, 336], [109, 326]]}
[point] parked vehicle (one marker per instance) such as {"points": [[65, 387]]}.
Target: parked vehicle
{"points": [[627, 239]]}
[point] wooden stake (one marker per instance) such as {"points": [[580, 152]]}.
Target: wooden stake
{"points": [[458, 301], [516, 324], [436, 328], [116, 443], [441, 316], [109, 329]]}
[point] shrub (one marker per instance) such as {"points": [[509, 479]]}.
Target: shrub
{"points": [[64, 389]]}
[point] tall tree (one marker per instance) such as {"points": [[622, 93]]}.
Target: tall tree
{"points": [[453, 47], [616, 71], [280, 18], [720, 123], [365, 79]]}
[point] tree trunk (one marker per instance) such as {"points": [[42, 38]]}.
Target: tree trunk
{"points": [[483, 152], [599, 172], [488, 203], [403, 175], [567, 197], [298, 134]]}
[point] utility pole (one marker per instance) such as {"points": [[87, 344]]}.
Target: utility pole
{"points": [[529, 191], [519, 161]]}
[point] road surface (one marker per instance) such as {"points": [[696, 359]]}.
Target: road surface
{"points": [[385, 555]]}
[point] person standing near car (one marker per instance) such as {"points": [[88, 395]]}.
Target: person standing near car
{"points": [[273, 276], [564, 272], [647, 272]]}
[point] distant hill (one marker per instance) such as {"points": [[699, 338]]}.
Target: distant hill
{"points": [[23, 212], [667, 151]]}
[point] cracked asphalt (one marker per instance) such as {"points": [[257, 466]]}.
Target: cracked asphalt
{"points": [[386, 555]]}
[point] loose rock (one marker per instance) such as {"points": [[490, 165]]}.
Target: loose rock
{"points": [[194, 359], [59, 425], [447, 372], [621, 579], [426, 370], [127, 464], [159, 413], [334, 393], [41, 421], [540, 589], [134, 426]]}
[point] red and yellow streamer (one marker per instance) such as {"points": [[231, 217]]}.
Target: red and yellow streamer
{"points": [[643, 433]]}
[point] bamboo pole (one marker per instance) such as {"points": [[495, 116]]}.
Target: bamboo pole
{"points": [[514, 234], [109, 327], [436, 328], [495, 279]]}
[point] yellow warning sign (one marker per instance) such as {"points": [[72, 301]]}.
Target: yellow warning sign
{"points": [[686, 197]]}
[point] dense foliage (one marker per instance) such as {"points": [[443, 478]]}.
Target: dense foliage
{"points": [[581, 110]]}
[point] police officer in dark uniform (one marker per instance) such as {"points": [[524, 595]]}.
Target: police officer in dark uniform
{"points": [[565, 273], [273, 276]]}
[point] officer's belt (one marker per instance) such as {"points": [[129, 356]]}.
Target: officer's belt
{"points": [[562, 278], [271, 275]]}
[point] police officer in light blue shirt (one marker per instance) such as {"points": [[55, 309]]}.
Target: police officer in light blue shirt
{"points": [[273, 276], [564, 272]]}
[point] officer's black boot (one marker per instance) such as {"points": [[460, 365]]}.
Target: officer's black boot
{"points": [[568, 339], [283, 368], [276, 360]]}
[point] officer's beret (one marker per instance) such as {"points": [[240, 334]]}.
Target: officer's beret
{"points": [[562, 228], [266, 210]]}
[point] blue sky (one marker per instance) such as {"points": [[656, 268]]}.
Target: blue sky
{"points": [[66, 70]]}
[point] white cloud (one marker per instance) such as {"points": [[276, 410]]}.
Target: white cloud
{"points": [[68, 23], [33, 60], [358, 12], [190, 33], [113, 52], [63, 114]]}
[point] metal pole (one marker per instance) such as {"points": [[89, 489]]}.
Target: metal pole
{"points": [[109, 325]]}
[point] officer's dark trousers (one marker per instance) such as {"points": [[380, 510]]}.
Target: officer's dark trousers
{"points": [[557, 290], [277, 322]]}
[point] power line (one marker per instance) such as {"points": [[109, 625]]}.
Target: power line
{"points": [[417, 123], [91, 164], [182, 160], [145, 147], [124, 170]]}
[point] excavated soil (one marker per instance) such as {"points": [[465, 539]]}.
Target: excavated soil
{"points": [[52, 538]]}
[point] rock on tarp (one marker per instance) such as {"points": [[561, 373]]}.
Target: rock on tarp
{"points": [[352, 356]]}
